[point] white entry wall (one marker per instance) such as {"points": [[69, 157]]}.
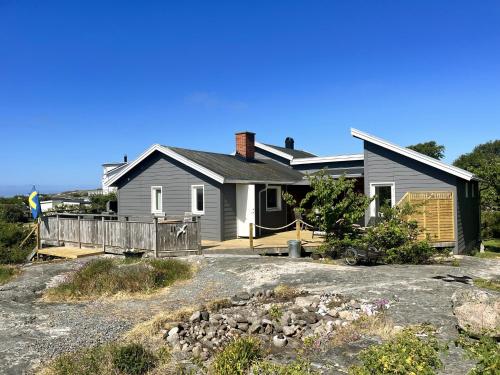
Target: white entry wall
{"points": [[245, 209]]}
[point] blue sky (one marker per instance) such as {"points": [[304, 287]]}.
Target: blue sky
{"points": [[83, 82]]}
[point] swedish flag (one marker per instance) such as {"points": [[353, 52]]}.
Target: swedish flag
{"points": [[34, 201]]}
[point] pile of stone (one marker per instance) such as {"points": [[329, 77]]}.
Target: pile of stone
{"points": [[277, 322]]}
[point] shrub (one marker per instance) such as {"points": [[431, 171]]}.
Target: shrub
{"points": [[275, 312], [133, 359], [92, 361], [486, 352], [237, 357], [11, 236], [490, 224], [13, 213], [111, 276], [409, 352], [413, 253]]}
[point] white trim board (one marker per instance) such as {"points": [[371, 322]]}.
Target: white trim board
{"points": [[174, 155], [327, 159], [414, 155], [274, 151], [372, 194]]}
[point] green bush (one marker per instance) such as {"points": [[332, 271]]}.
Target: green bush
{"points": [[6, 273], [237, 357], [411, 253], [13, 213], [133, 359], [406, 353], [111, 276], [91, 361], [486, 352], [490, 224], [11, 235]]}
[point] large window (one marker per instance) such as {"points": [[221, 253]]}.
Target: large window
{"points": [[198, 199], [385, 195], [156, 199], [273, 198]]}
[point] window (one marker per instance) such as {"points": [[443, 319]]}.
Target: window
{"points": [[156, 199], [198, 199], [473, 190], [385, 195], [273, 198], [466, 190]]}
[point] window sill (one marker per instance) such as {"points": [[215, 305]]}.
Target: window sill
{"points": [[273, 209]]}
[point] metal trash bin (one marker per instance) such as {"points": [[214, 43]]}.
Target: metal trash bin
{"points": [[294, 248]]}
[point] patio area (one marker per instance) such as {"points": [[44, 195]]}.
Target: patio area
{"points": [[270, 244]]}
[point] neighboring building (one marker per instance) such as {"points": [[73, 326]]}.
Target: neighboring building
{"points": [[108, 171], [53, 204], [231, 191]]}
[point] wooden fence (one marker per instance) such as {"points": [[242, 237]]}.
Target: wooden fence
{"points": [[434, 213], [114, 236]]}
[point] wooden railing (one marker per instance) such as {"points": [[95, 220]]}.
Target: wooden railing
{"points": [[159, 238], [434, 214]]}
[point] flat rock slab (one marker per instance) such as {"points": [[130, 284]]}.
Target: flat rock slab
{"points": [[32, 331]]}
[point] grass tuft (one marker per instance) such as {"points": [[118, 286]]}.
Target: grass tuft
{"points": [[7, 273], [286, 292], [107, 277], [488, 284]]}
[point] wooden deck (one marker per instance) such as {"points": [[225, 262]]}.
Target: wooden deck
{"points": [[69, 252], [271, 244]]}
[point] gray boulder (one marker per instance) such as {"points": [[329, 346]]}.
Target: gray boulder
{"points": [[477, 312]]}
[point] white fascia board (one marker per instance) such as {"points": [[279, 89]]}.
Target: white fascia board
{"points": [[168, 152], [274, 151], [413, 155], [327, 159]]}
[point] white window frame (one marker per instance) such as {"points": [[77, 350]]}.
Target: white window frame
{"points": [[466, 190], [155, 211], [373, 204], [194, 202], [278, 198]]}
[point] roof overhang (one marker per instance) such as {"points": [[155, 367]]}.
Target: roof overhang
{"points": [[274, 151], [413, 155], [170, 153], [327, 159]]}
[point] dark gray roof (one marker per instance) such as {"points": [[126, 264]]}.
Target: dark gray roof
{"points": [[235, 168], [292, 152]]}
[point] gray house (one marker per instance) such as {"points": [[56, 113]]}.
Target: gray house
{"points": [[231, 191]]}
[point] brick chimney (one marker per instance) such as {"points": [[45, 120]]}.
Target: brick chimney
{"points": [[245, 145]]}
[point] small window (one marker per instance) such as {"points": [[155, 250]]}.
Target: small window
{"points": [[273, 198], [156, 199], [473, 190], [198, 199], [466, 190]]}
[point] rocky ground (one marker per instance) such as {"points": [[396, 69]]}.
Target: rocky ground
{"points": [[32, 330]]}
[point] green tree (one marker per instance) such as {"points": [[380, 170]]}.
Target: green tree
{"points": [[430, 148], [333, 206], [484, 162]]}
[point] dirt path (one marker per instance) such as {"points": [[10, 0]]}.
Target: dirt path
{"points": [[31, 330]]}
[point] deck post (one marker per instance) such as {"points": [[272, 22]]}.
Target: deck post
{"points": [[103, 229], [297, 229], [250, 235], [79, 234], [38, 241], [155, 242], [58, 235]]}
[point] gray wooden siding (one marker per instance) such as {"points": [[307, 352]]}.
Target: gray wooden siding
{"points": [[229, 229], [468, 216], [134, 192], [382, 165], [270, 219]]}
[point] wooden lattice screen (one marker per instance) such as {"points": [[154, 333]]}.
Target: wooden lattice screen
{"points": [[435, 214]]}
